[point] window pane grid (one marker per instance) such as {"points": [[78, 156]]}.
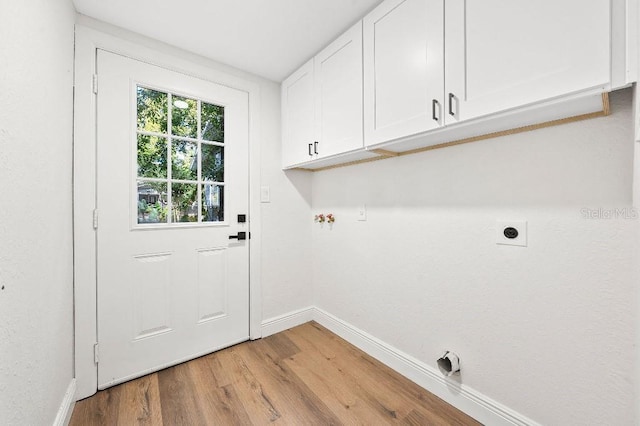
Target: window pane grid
{"points": [[185, 183], [201, 182], [193, 189], [149, 133], [207, 143], [170, 160], [179, 138], [199, 159]]}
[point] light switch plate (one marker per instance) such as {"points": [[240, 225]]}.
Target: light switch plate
{"points": [[519, 225], [362, 213], [265, 194]]}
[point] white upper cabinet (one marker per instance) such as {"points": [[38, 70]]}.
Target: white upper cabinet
{"points": [[417, 73], [338, 95], [503, 54], [298, 114], [322, 103], [403, 69]]}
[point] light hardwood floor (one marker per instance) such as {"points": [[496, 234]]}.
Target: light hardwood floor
{"points": [[303, 376]]}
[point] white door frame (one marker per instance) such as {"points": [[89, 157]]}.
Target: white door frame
{"points": [[88, 40]]}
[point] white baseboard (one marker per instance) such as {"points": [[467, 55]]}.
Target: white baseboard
{"points": [[464, 398], [286, 321], [66, 408]]}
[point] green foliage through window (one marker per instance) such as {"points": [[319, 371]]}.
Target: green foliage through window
{"points": [[180, 158]]}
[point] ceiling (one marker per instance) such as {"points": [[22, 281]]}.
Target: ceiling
{"points": [[270, 38]]}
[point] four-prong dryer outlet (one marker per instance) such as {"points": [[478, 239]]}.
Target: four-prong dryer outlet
{"points": [[511, 232]]}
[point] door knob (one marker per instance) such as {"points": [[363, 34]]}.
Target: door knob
{"points": [[241, 236]]}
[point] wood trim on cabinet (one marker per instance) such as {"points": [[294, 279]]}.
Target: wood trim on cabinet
{"points": [[606, 109], [350, 163], [385, 153]]}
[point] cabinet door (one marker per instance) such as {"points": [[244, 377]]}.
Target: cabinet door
{"points": [[298, 116], [403, 69], [338, 79], [503, 54]]}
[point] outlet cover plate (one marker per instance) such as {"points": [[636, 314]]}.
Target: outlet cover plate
{"points": [[520, 225]]}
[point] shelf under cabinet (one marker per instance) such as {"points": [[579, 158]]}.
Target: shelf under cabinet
{"points": [[574, 107], [352, 157]]}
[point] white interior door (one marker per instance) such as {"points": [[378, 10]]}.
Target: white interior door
{"points": [[172, 178]]}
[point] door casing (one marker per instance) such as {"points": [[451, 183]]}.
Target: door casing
{"points": [[122, 42]]}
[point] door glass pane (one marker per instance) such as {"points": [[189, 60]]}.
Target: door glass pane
{"points": [[212, 122], [152, 110], [184, 200], [152, 202], [152, 156], [212, 203], [192, 189], [212, 163], [184, 117], [184, 160]]}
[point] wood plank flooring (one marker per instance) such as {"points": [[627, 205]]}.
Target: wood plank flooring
{"points": [[303, 376]]}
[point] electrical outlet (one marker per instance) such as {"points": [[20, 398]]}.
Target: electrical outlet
{"points": [[511, 232]]}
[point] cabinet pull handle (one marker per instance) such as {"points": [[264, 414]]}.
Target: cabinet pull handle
{"points": [[434, 107], [310, 153], [315, 147], [451, 98]]}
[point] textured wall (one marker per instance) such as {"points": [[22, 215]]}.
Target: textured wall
{"points": [[286, 234], [547, 330], [36, 304]]}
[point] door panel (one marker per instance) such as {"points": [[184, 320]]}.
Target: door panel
{"points": [[171, 284], [150, 294], [212, 284]]}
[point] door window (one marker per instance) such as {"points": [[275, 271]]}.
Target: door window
{"points": [[180, 159]]}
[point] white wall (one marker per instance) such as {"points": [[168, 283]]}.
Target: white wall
{"points": [[286, 234], [547, 330], [36, 304]]}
